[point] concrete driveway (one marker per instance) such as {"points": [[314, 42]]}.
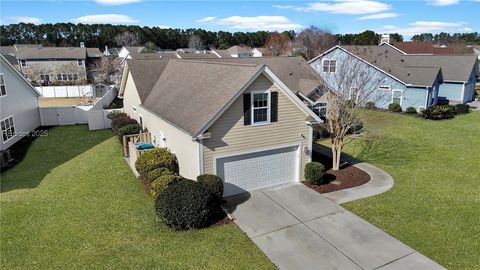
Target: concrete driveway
{"points": [[297, 228]]}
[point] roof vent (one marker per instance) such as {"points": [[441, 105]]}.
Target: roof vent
{"points": [[82, 44]]}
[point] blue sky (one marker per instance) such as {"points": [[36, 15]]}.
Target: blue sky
{"points": [[339, 16]]}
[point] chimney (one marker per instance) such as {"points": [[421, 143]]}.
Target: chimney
{"points": [[204, 51], [82, 44], [385, 39], [106, 50]]}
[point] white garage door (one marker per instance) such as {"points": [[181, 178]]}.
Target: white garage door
{"points": [[258, 170]]}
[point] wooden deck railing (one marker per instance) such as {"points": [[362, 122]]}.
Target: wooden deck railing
{"points": [[134, 138]]}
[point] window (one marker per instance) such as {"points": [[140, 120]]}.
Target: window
{"points": [[59, 77], [320, 108], [23, 63], [261, 107], [75, 77], [397, 96], [384, 88], [329, 65], [80, 62], [3, 89], [8, 128], [70, 77]]}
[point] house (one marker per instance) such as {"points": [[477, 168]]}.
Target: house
{"points": [[235, 51], [417, 81], [111, 51], [236, 120], [18, 105], [428, 47], [258, 52], [126, 50]]}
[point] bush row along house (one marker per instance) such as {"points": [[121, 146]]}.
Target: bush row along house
{"points": [[241, 119], [54, 65], [411, 80]]}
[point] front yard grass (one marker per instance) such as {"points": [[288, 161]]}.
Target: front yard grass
{"points": [[73, 203], [434, 205]]}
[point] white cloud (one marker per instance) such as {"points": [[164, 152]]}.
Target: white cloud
{"points": [[115, 2], [206, 19], [20, 19], [269, 23], [104, 18], [426, 27], [342, 7], [162, 26], [443, 2], [379, 16]]}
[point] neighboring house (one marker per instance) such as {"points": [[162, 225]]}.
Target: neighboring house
{"points": [[126, 50], [240, 51], [19, 112], [236, 120], [258, 52], [417, 81], [197, 55], [187, 50], [428, 47], [111, 51]]}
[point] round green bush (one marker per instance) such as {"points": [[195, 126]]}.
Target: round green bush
{"points": [[320, 131], [120, 122], [314, 172], [370, 105], [162, 182], [439, 112], [213, 184], [395, 107], [186, 205], [462, 108], [156, 173], [411, 110], [156, 158], [128, 130]]}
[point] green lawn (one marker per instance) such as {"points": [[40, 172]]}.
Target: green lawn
{"points": [[434, 205], [73, 203]]}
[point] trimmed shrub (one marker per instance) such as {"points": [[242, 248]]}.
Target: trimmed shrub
{"points": [[115, 114], [128, 129], [186, 205], [122, 121], [370, 105], [395, 108], [355, 129], [439, 112], [156, 158], [411, 110], [314, 172], [213, 184], [156, 173], [161, 183], [320, 131], [462, 108]]}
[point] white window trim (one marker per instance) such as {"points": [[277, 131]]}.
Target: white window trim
{"points": [[385, 88], [252, 93], [401, 96], [5, 84], [329, 65], [15, 134], [21, 65]]}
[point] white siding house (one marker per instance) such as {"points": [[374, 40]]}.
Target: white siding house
{"points": [[19, 112]]}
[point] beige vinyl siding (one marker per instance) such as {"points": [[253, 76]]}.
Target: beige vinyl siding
{"points": [[230, 135], [177, 141]]}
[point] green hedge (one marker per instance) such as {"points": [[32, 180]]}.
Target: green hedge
{"points": [[370, 105], [121, 121], [128, 130], [162, 182], [156, 173], [411, 110], [213, 184], [395, 108], [439, 112], [156, 158], [314, 172]]}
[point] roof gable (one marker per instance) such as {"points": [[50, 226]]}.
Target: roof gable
{"points": [[7, 64]]}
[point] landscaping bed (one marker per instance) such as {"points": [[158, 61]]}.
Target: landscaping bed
{"points": [[347, 177]]}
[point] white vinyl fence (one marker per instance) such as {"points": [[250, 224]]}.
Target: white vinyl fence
{"points": [[65, 91], [97, 119]]}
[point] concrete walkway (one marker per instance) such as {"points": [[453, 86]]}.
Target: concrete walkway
{"points": [[380, 181], [298, 228]]}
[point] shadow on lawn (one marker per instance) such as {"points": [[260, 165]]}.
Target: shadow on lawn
{"points": [[41, 155]]}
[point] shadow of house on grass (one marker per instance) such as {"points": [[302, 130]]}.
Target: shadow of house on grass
{"points": [[62, 144]]}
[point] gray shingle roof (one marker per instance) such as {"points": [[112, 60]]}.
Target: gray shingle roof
{"points": [[132, 49], [145, 74], [190, 93], [7, 50], [197, 55], [416, 69], [94, 52], [52, 52], [238, 49]]}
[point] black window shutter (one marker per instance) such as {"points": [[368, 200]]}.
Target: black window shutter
{"points": [[274, 107], [247, 110]]}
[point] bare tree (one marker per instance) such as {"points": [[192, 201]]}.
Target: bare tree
{"points": [[278, 44], [195, 42], [350, 84], [128, 39], [314, 41], [108, 68]]}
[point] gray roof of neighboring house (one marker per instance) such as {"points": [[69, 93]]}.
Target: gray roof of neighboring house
{"points": [[197, 55], [295, 72], [416, 69], [223, 53], [190, 93], [238, 49], [8, 50], [153, 56], [52, 52], [113, 51], [146, 73], [132, 49], [94, 52], [186, 50]]}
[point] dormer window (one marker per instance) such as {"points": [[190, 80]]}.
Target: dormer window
{"points": [[260, 108], [80, 62], [329, 65], [23, 63]]}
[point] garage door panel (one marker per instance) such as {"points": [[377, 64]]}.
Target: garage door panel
{"points": [[258, 170]]}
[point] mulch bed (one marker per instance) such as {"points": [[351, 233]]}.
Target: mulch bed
{"points": [[348, 176]]}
